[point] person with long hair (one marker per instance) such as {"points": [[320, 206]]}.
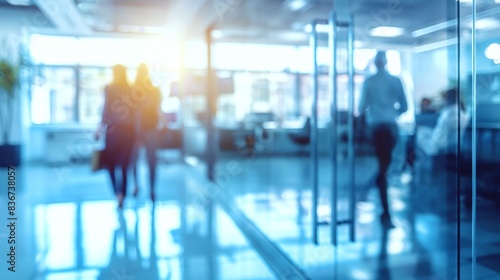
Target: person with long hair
{"points": [[118, 122], [149, 120]]}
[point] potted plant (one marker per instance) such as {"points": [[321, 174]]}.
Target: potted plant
{"points": [[9, 154]]}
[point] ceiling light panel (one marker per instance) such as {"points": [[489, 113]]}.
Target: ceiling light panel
{"points": [[486, 23], [387, 31], [297, 5], [20, 2], [320, 28]]}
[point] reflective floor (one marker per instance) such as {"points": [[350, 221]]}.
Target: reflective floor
{"points": [[273, 193], [68, 226]]}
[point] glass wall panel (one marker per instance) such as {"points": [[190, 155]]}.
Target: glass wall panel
{"points": [[54, 95], [91, 96], [266, 169], [54, 98], [483, 79]]}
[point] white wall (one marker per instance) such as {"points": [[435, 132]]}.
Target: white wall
{"points": [[430, 73], [434, 70]]}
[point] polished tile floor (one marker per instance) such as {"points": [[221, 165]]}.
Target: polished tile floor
{"points": [[274, 194], [68, 227]]}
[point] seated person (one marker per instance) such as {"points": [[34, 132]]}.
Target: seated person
{"points": [[443, 138], [302, 137], [441, 144], [426, 106]]}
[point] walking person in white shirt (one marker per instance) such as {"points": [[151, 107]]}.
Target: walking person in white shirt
{"points": [[383, 100]]}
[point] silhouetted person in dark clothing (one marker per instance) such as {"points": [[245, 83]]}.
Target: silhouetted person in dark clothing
{"points": [[150, 120], [118, 121], [383, 100]]}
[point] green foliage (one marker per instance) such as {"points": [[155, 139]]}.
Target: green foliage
{"points": [[8, 77]]}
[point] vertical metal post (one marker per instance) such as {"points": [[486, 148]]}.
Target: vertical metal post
{"points": [[314, 132], [76, 116], [333, 129], [351, 221], [350, 51], [80, 252], [182, 96], [211, 142], [296, 94], [474, 137], [211, 100]]}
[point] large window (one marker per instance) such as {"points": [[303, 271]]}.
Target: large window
{"points": [[91, 94], [71, 73], [160, 54], [54, 95]]}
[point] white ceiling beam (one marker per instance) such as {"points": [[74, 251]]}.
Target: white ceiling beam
{"points": [[64, 15]]}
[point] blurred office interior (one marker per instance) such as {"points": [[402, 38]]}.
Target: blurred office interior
{"points": [[267, 170]]}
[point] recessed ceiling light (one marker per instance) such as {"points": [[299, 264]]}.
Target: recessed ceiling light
{"points": [[296, 5], [486, 23], [292, 36], [320, 28], [492, 51], [140, 29], [19, 2], [216, 33], [387, 31]]}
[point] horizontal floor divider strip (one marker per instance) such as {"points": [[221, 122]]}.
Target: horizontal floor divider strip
{"points": [[278, 261]]}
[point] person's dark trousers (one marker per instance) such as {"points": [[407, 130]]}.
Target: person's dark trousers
{"points": [[384, 137], [151, 144], [120, 141], [411, 152]]}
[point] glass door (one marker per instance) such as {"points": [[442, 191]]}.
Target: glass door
{"points": [[396, 182], [430, 213], [480, 74]]}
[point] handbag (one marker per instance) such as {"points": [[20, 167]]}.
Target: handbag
{"points": [[98, 160]]}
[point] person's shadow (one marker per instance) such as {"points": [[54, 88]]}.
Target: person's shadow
{"points": [[383, 271], [126, 261], [422, 267]]}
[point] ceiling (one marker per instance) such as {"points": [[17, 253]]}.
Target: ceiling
{"points": [[262, 21]]}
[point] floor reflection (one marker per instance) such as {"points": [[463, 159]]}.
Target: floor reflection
{"points": [[78, 232], [384, 270], [71, 228], [424, 244]]}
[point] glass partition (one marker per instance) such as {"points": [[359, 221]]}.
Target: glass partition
{"points": [[482, 78], [440, 183], [53, 96], [429, 183], [91, 95]]}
